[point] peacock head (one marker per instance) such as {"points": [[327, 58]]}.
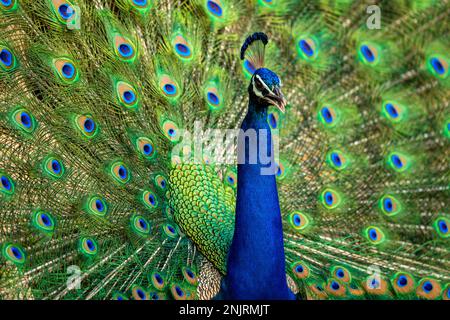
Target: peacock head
{"points": [[265, 89]]}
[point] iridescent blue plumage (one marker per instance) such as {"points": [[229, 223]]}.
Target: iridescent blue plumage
{"points": [[258, 233]]}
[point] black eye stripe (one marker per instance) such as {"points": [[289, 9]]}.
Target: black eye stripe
{"points": [[259, 84]]}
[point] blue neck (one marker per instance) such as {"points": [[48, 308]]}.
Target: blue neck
{"points": [[256, 261]]}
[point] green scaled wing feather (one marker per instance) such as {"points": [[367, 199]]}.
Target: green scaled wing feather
{"points": [[204, 207]]}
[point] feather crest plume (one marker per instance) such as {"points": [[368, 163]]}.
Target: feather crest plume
{"points": [[253, 49]]}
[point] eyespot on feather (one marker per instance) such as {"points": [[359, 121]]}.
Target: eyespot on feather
{"points": [[335, 288], [446, 293], [341, 273], [86, 125], [299, 221], [157, 280], [393, 111], [446, 128], [9, 5], [161, 182], [330, 198], [53, 167], [230, 178], [14, 253], [369, 53], [214, 8], [66, 70], [119, 296], [213, 98], [140, 3], [63, 9], [139, 293], [170, 231], [127, 95], [189, 275], [272, 119], [169, 88], [438, 66], [374, 235], [307, 48], [389, 205], [328, 116], [178, 293], [375, 285], [181, 47], [403, 283], [124, 48], [146, 147], [171, 130], [337, 159], [7, 185], [249, 68], [43, 221], [8, 61], [88, 247], [120, 172], [149, 199], [96, 206], [140, 225], [24, 120], [318, 290], [429, 289], [300, 270], [399, 162], [441, 225], [281, 171]]}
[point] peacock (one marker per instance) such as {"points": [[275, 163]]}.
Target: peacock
{"points": [[120, 147]]}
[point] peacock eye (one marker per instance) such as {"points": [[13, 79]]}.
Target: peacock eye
{"points": [[259, 85]]}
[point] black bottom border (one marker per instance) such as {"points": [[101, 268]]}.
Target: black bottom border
{"points": [[226, 309]]}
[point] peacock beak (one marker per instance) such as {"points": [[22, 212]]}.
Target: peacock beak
{"points": [[277, 99]]}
